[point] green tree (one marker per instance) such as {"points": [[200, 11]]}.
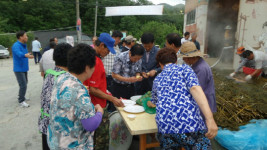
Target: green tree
{"points": [[35, 15], [3, 24], [159, 29], [130, 24]]}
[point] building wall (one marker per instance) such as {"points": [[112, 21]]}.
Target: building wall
{"points": [[201, 7], [250, 31], [201, 21]]}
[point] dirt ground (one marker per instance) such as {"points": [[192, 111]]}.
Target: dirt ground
{"points": [[18, 126]]}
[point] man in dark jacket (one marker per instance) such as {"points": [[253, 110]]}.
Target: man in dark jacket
{"points": [[149, 64]]}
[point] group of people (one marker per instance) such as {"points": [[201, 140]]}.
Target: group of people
{"points": [[82, 85]]}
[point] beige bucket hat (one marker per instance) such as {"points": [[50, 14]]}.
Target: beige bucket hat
{"points": [[189, 49]]}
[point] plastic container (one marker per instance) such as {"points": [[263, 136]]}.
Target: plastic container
{"points": [[248, 70]]}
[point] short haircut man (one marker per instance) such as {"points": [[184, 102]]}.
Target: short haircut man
{"points": [[147, 38], [20, 34], [186, 34], [52, 44], [21, 65], [117, 33], [175, 39], [149, 64], [194, 39], [138, 50], [186, 37]]}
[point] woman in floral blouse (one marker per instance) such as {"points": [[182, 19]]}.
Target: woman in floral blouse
{"points": [[73, 117], [60, 58]]}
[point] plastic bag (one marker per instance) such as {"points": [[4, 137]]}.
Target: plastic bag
{"points": [[149, 110], [140, 100], [252, 136]]}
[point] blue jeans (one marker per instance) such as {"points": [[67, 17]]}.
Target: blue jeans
{"points": [[22, 78], [37, 54]]}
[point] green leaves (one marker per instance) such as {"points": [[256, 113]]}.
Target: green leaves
{"points": [[160, 30], [35, 15]]}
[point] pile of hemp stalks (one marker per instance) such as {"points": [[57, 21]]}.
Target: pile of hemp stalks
{"points": [[238, 103]]}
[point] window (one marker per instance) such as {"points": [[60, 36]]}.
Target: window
{"points": [[191, 16]]}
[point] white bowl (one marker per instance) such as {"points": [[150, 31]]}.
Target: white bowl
{"points": [[131, 116], [128, 102], [134, 109], [136, 97]]}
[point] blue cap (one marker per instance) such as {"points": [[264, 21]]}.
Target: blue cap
{"points": [[108, 41]]}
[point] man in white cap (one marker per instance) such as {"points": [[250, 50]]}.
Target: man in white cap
{"points": [[193, 57], [130, 41]]}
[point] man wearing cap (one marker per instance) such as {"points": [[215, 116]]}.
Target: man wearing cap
{"points": [[108, 61], [129, 41], [98, 89], [260, 59], [243, 61], [193, 57]]}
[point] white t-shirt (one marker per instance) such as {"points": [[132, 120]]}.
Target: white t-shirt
{"points": [[183, 40], [36, 45], [260, 60], [47, 61]]}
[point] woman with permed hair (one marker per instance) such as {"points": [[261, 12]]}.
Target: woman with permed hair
{"points": [[178, 98]]}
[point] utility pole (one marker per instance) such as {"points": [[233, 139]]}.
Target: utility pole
{"points": [[79, 24], [96, 6]]}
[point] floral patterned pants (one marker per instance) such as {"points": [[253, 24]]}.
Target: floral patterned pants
{"points": [[189, 141]]}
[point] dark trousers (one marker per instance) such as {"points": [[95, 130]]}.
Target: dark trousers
{"points": [[143, 86], [22, 78], [109, 83], [121, 90], [264, 75], [44, 142], [37, 54]]}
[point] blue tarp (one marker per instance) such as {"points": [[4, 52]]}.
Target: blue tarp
{"points": [[252, 136]]}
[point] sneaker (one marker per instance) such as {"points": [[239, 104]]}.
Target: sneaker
{"points": [[24, 104]]}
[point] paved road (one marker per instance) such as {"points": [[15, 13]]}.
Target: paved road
{"points": [[18, 126]]}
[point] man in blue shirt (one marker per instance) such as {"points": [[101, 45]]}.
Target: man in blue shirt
{"points": [[21, 65]]}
